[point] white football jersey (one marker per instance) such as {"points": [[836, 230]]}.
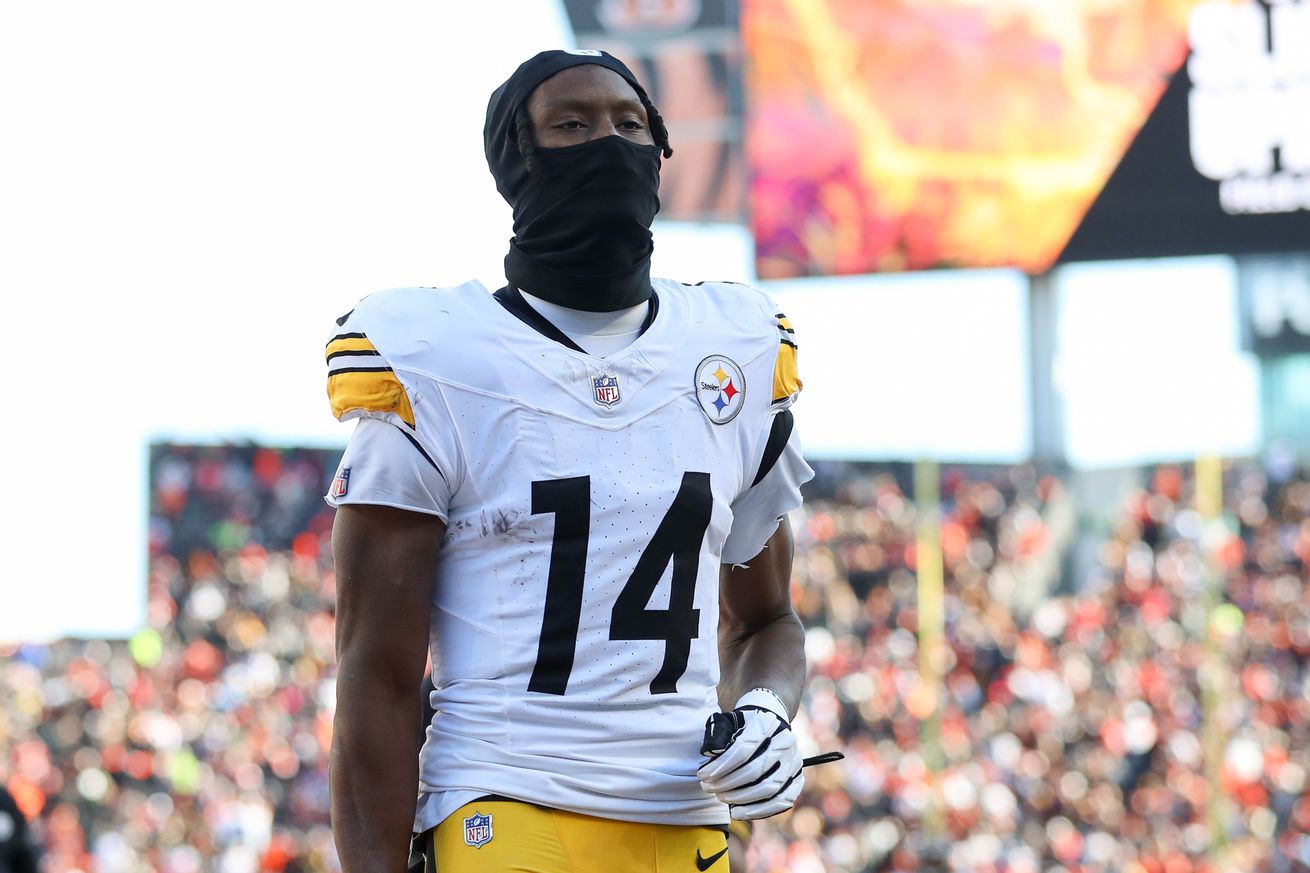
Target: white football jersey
{"points": [[587, 503]]}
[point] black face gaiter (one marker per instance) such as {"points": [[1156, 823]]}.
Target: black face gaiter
{"points": [[582, 213], [582, 225]]}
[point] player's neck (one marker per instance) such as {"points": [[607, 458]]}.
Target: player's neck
{"points": [[600, 333]]}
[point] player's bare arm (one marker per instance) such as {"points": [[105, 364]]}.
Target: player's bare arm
{"points": [[385, 560], [761, 640], [755, 764]]}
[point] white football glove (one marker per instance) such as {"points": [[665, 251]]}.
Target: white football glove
{"points": [[755, 765]]}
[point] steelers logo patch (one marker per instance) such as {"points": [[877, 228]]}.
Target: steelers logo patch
{"points": [[720, 388]]}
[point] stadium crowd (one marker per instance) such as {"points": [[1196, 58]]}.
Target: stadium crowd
{"points": [[1069, 735], [201, 743], [1072, 739]]}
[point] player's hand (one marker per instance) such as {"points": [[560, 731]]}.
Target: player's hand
{"points": [[755, 765]]}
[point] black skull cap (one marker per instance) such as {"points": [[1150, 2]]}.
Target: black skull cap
{"points": [[500, 134]]}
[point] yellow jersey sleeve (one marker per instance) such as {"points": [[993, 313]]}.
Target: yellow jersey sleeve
{"points": [[360, 382], [786, 378]]}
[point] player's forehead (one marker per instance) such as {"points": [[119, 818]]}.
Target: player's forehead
{"points": [[586, 85]]}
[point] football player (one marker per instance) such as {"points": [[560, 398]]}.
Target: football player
{"points": [[574, 492]]}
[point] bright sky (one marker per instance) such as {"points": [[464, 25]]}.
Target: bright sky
{"points": [[189, 193]]}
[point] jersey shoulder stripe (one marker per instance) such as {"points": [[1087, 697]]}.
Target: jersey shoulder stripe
{"points": [[381, 353], [786, 377], [361, 382], [349, 344]]}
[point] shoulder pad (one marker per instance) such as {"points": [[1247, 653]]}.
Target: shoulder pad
{"points": [[745, 306], [361, 382], [386, 331], [756, 312]]}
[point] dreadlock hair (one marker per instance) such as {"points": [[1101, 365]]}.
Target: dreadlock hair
{"points": [[658, 130], [527, 148]]}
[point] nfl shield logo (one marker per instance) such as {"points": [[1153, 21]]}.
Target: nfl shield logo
{"points": [[342, 483], [477, 830], [607, 390]]}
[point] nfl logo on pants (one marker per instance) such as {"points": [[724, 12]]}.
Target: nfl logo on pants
{"points": [[477, 830]]}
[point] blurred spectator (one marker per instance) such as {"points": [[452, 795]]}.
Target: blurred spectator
{"points": [[17, 854]]}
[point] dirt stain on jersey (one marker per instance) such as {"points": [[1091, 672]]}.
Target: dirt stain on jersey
{"points": [[502, 523], [495, 522]]}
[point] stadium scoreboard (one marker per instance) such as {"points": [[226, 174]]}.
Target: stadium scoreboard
{"points": [[959, 134]]}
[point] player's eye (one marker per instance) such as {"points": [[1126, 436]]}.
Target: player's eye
{"points": [[569, 124], [631, 124]]}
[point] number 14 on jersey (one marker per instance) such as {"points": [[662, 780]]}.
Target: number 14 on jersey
{"points": [[678, 539]]}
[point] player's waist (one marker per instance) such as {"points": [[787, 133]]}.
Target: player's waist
{"points": [[591, 730], [666, 789]]}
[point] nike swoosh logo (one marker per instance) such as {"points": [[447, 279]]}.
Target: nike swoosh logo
{"points": [[707, 863]]}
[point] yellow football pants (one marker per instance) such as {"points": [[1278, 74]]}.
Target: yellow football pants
{"points": [[521, 838]]}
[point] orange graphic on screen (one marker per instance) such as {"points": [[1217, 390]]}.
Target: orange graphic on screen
{"points": [[908, 134]]}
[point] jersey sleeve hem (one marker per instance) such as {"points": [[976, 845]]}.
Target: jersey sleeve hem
{"points": [[337, 503], [385, 466]]}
